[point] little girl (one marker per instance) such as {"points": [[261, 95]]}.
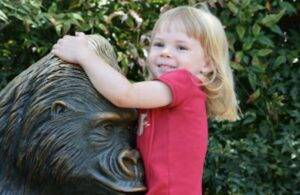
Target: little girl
{"points": [[192, 80]]}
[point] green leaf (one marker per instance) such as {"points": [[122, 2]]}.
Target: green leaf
{"points": [[75, 4], [76, 16], [66, 27], [265, 41], [232, 8], [289, 7], [237, 66], [245, 3], [247, 44], [272, 19], [257, 65], [264, 52], [280, 60], [276, 29], [238, 56], [241, 31], [53, 8], [3, 16], [249, 118], [256, 29], [58, 28], [258, 68], [252, 79]]}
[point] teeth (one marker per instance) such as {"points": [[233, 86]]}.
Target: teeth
{"points": [[163, 65]]}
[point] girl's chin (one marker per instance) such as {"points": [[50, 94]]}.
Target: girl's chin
{"points": [[160, 72], [157, 72]]}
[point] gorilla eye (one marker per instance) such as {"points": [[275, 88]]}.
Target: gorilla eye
{"points": [[108, 126], [58, 107]]}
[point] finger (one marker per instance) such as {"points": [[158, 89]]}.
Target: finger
{"points": [[55, 46], [54, 51], [79, 34], [60, 41], [66, 37]]}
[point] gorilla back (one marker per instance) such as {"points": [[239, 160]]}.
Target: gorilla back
{"points": [[58, 135]]}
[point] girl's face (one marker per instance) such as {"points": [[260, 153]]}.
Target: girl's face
{"points": [[172, 49]]}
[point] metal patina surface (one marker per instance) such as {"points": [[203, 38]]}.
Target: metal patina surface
{"points": [[58, 135]]}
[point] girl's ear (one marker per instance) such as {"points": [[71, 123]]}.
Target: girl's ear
{"points": [[207, 67]]}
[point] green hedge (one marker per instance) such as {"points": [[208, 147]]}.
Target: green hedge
{"points": [[258, 154]]}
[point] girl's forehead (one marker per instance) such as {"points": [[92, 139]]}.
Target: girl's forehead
{"points": [[176, 25], [168, 26], [174, 37]]}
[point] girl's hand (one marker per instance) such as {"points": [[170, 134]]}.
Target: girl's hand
{"points": [[73, 49]]}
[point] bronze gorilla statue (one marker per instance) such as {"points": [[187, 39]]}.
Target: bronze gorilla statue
{"points": [[58, 135]]}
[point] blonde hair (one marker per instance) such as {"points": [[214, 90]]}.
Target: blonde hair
{"points": [[200, 24]]}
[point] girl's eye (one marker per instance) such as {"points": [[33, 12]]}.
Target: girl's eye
{"points": [[182, 48], [158, 44]]}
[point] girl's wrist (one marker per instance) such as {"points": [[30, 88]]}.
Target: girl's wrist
{"points": [[89, 59], [85, 57]]}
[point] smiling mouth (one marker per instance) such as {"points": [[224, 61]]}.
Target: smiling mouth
{"points": [[166, 66]]}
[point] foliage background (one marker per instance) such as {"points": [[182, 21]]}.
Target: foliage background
{"points": [[258, 154]]}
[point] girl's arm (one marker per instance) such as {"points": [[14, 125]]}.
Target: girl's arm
{"points": [[117, 89], [110, 83]]}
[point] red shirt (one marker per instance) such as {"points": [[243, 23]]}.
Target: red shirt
{"points": [[174, 138]]}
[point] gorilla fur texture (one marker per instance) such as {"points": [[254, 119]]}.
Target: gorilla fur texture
{"points": [[58, 135]]}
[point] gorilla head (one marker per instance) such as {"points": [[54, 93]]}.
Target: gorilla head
{"points": [[58, 135]]}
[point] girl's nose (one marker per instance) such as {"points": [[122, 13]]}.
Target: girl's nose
{"points": [[166, 52]]}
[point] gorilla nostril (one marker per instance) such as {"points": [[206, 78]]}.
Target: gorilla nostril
{"points": [[128, 159]]}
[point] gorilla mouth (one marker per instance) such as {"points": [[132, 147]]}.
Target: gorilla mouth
{"points": [[113, 174], [121, 186]]}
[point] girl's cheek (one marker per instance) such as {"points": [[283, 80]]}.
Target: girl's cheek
{"points": [[149, 61], [152, 55]]}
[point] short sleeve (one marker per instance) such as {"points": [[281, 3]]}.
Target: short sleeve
{"points": [[181, 83]]}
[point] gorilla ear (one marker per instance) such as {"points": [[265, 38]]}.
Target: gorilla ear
{"points": [[58, 107]]}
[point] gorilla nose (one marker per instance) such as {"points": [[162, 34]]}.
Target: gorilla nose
{"points": [[128, 160]]}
